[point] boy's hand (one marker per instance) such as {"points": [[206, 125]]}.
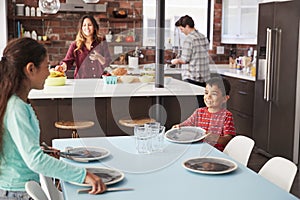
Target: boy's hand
{"points": [[175, 126]]}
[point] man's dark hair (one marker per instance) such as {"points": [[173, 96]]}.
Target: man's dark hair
{"points": [[222, 83], [184, 21]]}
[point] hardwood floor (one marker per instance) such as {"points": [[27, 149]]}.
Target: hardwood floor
{"points": [[257, 160]]}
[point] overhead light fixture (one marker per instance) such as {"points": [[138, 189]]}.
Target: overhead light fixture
{"points": [[90, 1], [49, 6]]}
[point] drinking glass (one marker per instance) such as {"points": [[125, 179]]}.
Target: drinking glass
{"points": [[142, 138], [156, 132]]}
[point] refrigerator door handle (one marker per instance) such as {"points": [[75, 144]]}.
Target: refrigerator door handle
{"points": [[274, 74], [268, 58]]}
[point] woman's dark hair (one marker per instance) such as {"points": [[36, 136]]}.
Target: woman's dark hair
{"points": [[184, 21], [80, 38], [222, 83], [16, 55]]}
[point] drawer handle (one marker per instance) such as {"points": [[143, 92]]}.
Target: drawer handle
{"points": [[242, 81], [242, 92]]}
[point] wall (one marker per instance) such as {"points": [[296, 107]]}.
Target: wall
{"points": [[65, 24], [240, 49], [3, 25]]}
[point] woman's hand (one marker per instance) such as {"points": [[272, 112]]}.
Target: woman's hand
{"points": [[61, 68], [97, 185], [97, 56]]}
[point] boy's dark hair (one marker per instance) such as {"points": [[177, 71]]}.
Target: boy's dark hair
{"points": [[184, 21], [222, 83]]}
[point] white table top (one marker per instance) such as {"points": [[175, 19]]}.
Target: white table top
{"points": [[161, 175], [85, 88]]}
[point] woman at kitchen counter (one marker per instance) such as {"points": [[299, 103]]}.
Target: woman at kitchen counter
{"points": [[89, 51], [214, 118], [23, 67]]}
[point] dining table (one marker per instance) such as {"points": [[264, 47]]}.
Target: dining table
{"points": [[162, 175]]}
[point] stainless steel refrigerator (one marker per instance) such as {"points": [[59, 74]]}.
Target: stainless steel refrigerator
{"points": [[277, 87]]}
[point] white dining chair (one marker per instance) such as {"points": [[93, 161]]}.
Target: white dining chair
{"points": [[240, 148], [35, 191], [279, 171], [49, 188]]}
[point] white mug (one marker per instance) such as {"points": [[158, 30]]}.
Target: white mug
{"points": [[133, 62]]}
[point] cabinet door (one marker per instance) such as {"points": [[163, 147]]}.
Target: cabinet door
{"points": [[241, 104], [46, 111], [241, 95], [240, 19], [243, 123], [83, 109], [125, 108]]}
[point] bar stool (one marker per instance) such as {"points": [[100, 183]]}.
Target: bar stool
{"points": [[137, 121], [74, 126]]}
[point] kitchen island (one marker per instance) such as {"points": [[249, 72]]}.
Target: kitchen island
{"points": [[105, 104]]}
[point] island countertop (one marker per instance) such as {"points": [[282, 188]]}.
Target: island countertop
{"points": [[83, 88]]}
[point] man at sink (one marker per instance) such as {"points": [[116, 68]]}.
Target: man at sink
{"points": [[194, 57]]}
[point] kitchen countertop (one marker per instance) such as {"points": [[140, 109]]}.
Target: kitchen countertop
{"points": [[226, 71], [222, 69], [86, 88]]}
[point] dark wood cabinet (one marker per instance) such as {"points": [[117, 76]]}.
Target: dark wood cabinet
{"points": [[106, 113], [241, 104], [46, 111]]}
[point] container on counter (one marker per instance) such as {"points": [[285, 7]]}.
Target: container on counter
{"points": [[20, 9], [32, 11], [27, 11], [38, 12], [34, 35]]}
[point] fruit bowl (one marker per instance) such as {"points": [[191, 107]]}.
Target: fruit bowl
{"points": [[56, 81]]}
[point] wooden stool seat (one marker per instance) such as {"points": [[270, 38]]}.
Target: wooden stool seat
{"points": [[74, 125], [137, 121]]}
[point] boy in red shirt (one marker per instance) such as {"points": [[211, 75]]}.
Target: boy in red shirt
{"points": [[214, 118]]}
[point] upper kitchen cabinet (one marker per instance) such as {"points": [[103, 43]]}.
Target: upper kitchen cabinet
{"points": [[240, 19]]}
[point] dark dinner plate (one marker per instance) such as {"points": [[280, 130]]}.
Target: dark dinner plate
{"points": [[186, 134], [109, 176], [210, 165], [86, 154]]}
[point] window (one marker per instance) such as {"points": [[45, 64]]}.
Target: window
{"points": [[197, 9]]}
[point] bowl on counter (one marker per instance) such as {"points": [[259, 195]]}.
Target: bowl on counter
{"points": [[127, 79], [56, 81], [146, 78], [120, 13]]}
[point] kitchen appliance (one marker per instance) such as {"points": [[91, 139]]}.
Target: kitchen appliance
{"points": [[48, 6], [277, 86], [82, 6]]}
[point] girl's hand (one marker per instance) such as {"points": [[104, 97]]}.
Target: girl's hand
{"points": [[54, 152], [97, 185]]}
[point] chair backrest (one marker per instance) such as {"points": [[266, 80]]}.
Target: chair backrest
{"points": [[35, 191], [49, 188], [279, 171], [240, 148]]}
